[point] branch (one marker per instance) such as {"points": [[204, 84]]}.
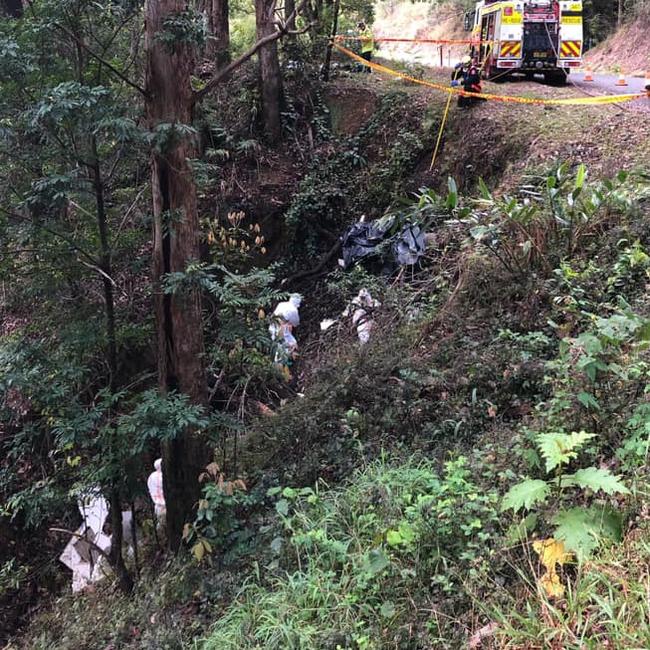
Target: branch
{"points": [[224, 72], [92, 545], [98, 270], [103, 61], [55, 233], [317, 269]]}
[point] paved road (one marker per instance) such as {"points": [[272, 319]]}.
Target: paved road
{"points": [[605, 84]]}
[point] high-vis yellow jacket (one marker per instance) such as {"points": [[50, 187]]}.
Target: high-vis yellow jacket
{"points": [[367, 41]]}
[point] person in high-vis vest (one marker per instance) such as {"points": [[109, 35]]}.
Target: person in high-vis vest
{"points": [[470, 79], [367, 43]]}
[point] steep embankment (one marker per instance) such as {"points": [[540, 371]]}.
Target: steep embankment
{"points": [[421, 20], [627, 50], [403, 553]]}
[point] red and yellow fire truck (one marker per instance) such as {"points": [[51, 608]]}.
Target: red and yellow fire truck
{"points": [[535, 36]]}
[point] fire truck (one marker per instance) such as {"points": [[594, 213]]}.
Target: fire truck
{"points": [[531, 37]]}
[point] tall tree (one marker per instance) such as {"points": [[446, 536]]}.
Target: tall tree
{"points": [[218, 48], [270, 74], [169, 109]]}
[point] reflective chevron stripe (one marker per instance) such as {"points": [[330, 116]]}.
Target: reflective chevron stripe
{"points": [[570, 49], [510, 49]]}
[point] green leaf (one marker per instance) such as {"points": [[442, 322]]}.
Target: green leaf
{"points": [[394, 538], [559, 448], [483, 189], [376, 561], [588, 401], [525, 495], [581, 528], [580, 176], [387, 609], [520, 532], [282, 506], [597, 479]]}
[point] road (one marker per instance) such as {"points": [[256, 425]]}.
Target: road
{"points": [[605, 84]]}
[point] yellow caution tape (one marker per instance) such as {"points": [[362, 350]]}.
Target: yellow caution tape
{"points": [[571, 101], [438, 41]]}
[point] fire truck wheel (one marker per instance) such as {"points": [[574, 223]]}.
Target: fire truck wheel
{"points": [[556, 78]]}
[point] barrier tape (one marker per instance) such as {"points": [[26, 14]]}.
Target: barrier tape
{"points": [[571, 101], [438, 41]]}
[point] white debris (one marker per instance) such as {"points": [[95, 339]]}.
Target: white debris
{"points": [[326, 324], [361, 309], [84, 553]]}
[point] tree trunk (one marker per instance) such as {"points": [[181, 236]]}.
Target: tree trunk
{"points": [[105, 265], [290, 19], [219, 31], [330, 45], [176, 242], [270, 75], [13, 8]]}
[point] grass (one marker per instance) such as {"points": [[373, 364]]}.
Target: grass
{"points": [[607, 604], [358, 563]]}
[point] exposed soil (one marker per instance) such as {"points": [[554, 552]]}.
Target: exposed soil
{"points": [[627, 50]]}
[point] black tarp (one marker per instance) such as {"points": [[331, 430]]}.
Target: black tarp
{"points": [[385, 240]]}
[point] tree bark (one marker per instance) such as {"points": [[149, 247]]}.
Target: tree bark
{"points": [[330, 45], [13, 8], [270, 75], [176, 242], [289, 14], [105, 266], [219, 31]]}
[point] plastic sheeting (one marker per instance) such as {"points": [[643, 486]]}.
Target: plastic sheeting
{"points": [[386, 239]]}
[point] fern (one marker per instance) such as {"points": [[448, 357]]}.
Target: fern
{"points": [[560, 448], [526, 494], [596, 479]]}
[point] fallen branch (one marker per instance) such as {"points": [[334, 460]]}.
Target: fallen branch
{"points": [[92, 545], [318, 268], [283, 30]]}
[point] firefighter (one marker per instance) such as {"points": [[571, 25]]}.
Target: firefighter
{"points": [[470, 79], [367, 43]]}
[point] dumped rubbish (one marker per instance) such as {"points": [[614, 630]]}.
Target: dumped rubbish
{"points": [[361, 309], [285, 318], [155, 487], [387, 240]]}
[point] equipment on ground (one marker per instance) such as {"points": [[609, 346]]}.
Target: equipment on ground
{"points": [[534, 36]]}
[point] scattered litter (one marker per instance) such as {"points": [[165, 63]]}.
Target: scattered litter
{"points": [[326, 324], [388, 240], [155, 487], [479, 636], [361, 309]]}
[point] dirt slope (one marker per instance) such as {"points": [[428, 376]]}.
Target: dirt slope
{"points": [[420, 20], [628, 50]]}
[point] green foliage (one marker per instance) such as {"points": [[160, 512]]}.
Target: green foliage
{"points": [[354, 557], [552, 223], [558, 449], [339, 179], [181, 28], [580, 528]]}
